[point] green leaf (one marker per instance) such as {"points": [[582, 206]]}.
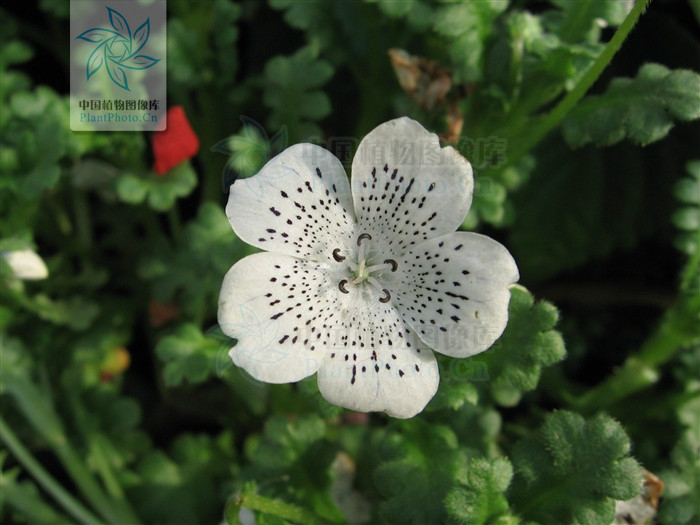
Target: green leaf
{"points": [[202, 45], [480, 498], [643, 109], [423, 460], [291, 92], [309, 388], [75, 312], [131, 189], [16, 360], [467, 26], [24, 497], [164, 190], [327, 25], [528, 344], [285, 446], [210, 237], [572, 471], [15, 52], [681, 502], [208, 247], [293, 460], [687, 218], [42, 177], [184, 486], [583, 20], [250, 149], [454, 391], [489, 203], [688, 189], [189, 356], [570, 212], [161, 191]]}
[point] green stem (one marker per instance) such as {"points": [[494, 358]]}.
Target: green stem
{"points": [[640, 370], [678, 328], [274, 507], [117, 511], [543, 126], [46, 422], [47, 482], [103, 467]]}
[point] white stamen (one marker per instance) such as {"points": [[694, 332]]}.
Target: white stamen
{"points": [[361, 252], [375, 283], [379, 267]]}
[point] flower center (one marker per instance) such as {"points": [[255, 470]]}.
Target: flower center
{"points": [[361, 270]]}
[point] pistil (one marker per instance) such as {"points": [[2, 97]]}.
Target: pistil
{"points": [[362, 271]]}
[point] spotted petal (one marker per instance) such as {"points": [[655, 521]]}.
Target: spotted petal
{"points": [[453, 292], [279, 309], [299, 204], [377, 363], [406, 188]]}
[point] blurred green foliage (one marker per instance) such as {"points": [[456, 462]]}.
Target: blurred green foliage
{"points": [[120, 404]]}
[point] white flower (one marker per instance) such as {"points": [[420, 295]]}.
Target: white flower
{"points": [[26, 265], [361, 280]]}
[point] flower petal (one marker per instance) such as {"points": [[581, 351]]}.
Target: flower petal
{"points": [[26, 264], [406, 188], [377, 363], [279, 308], [298, 204], [453, 291]]}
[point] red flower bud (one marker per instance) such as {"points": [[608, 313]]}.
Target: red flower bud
{"points": [[176, 144]]}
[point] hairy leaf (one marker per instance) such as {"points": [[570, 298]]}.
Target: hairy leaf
{"points": [[643, 109], [480, 498], [423, 461], [528, 344], [572, 471], [687, 218], [293, 460]]}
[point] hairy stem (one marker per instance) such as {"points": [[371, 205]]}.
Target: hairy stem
{"points": [[542, 127]]}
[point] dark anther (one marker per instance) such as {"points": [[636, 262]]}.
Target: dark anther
{"points": [[386, 297], [337, 256], [363, 236], [342, 284], [393, 263]]}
